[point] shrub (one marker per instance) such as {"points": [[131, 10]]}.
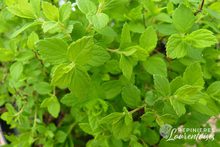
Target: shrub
{"points": [[108, 73]]}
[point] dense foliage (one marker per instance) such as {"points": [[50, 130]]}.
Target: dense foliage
{"points": [[108, 73]]}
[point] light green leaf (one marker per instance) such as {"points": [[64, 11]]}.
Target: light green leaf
{"points": [[80, 51], [162, 85], [42, 88], [53, 50], [122, 127], [214, 91], [112, 88], [65, 11], [176, 83], [131, 96], [176, 47], [62, 75], [32, 39], [36, 5], [99, 56], [155, 65], [178, 107], [125, 37], [16, 70], [53, 106], [22, 29], [99, 20], [202, 38], [6, 55], [86, 6], [183, 18], [48, 26], [80, 83], [50, 11], [22, 8], [148, 39], [193, 75], [126, 66], [187, 94]]}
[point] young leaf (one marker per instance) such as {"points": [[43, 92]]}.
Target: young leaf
{"points": [[53, 106], [16, 70], [53, 50], [178, 107], [183, 18], [176, 47], [62, 75], [125, 37], [6, 55], [42, 88], [112, 88], [99, 20], [80, 51], [187, 94], [32, 39], [202, 38], [22, 9], [193, 75], [80, 83], [214, 91], [126, 66], [148, 39], [155, 65], [162, 85], [131, 96], [50, 11], [86, 6], [65, 11]]}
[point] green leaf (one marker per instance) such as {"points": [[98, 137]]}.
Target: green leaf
{"points": [[32, 39], [80, 83], [214, 90], [148, 39], [193, 75], [53, 50], [112, 88], [176, 83], [162, 85], [99, 20], [122, 127], [126, 65], [36, 5], [22, 29], [53, 106], [99, 56], [155, 65], [62, 75], [6, 55], [50, 11], [16, 70], [125, 37], [80, 51], [131, 96], [86, 6], [178, 107], [176, 47], [187, 94], [22, 9], [65, 11], [202, 38], [42, 88], [49, 26], [183, 18]]}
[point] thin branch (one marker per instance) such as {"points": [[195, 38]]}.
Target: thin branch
{"points": [[200, 8]]}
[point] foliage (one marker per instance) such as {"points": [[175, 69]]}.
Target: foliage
{"points": [[107, 73]]}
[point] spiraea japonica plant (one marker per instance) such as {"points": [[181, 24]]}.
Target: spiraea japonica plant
{"points": [[108, 73]]}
